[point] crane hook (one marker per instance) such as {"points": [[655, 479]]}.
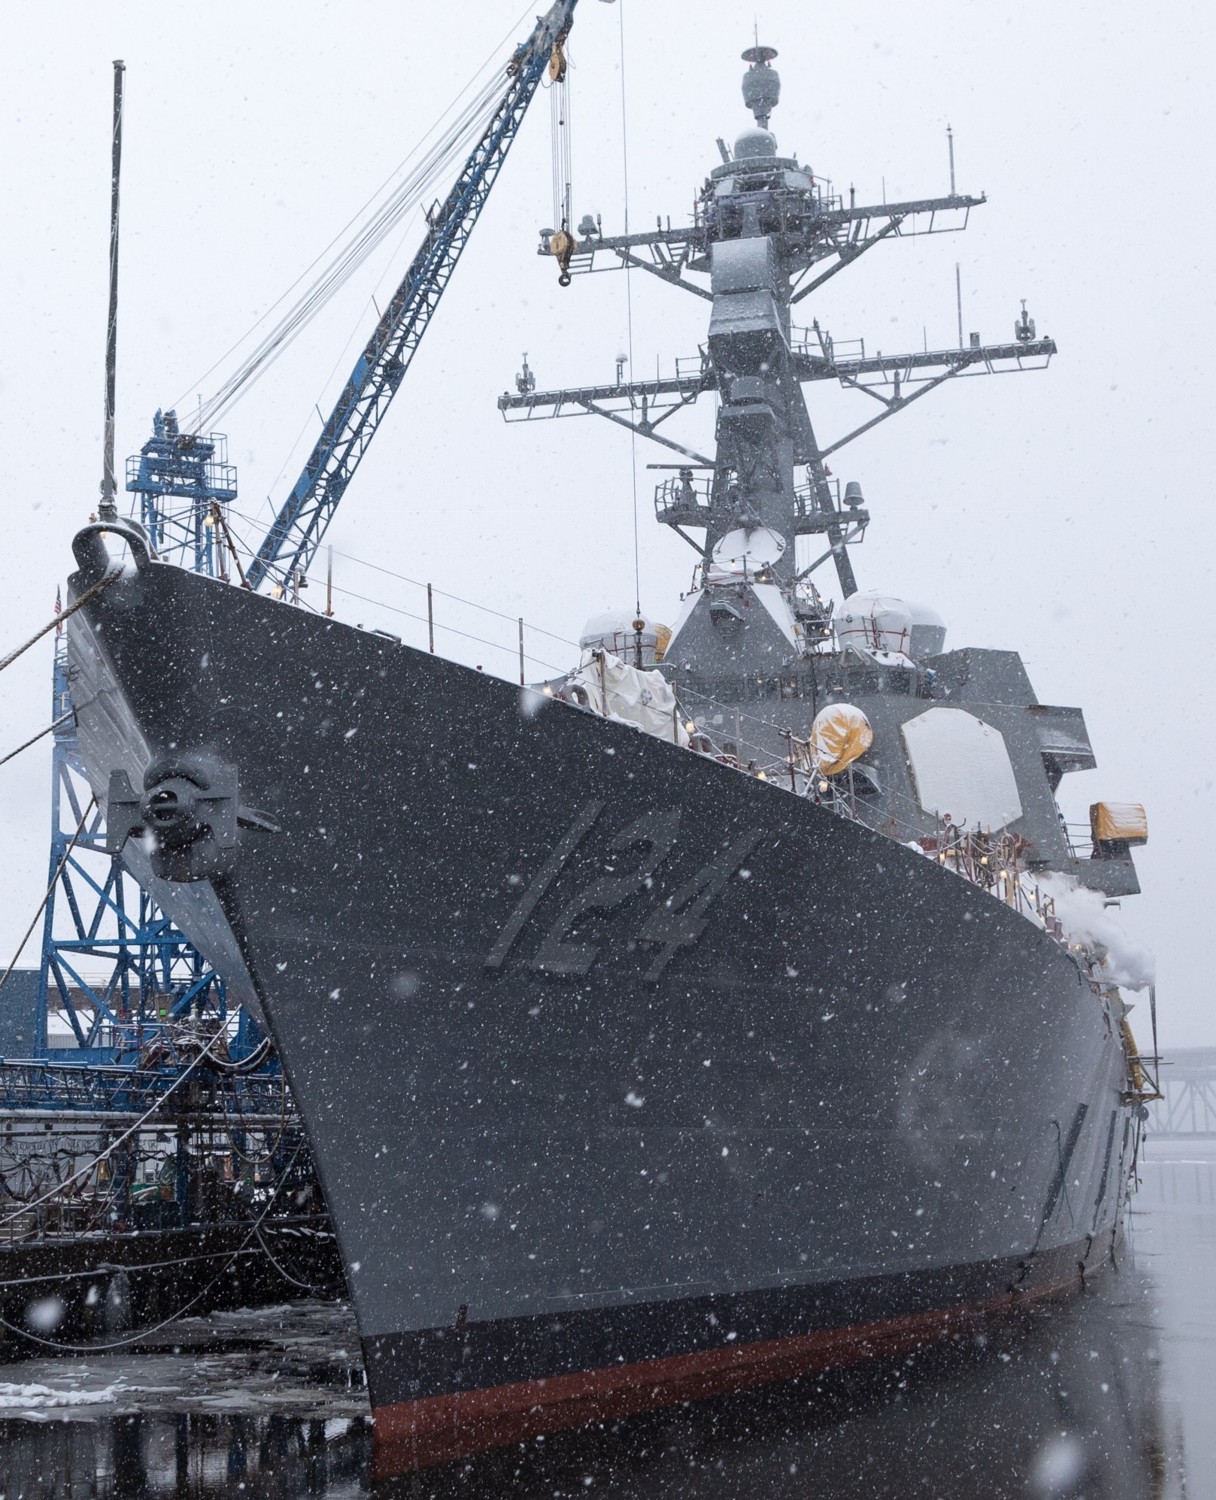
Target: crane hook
{"points": [[563, 245]]}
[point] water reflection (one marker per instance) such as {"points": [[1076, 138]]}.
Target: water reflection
{"points": [[1067, 1407], [1072, 1405], [144, 1457]]}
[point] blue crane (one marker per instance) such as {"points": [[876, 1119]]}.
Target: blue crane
{"points": [[181, 481], [292, 541]]}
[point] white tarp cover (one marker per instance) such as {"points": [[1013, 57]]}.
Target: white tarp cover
{"points": [[961, 769], [635, 697], [1086, 918]]}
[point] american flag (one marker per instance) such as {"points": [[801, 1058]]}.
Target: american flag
{"points": [[58, 610]]}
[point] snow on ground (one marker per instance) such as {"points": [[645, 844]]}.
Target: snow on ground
{"points": [[20, 1398]]}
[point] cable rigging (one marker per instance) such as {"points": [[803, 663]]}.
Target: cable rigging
{"points": [[354, 250], [143, 1333], [354, 254], [301, 522], [562, 237], [56, 621]]}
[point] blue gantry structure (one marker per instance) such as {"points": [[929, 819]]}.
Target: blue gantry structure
{"points": [[97, 919], [114, 970], [182, 480]]}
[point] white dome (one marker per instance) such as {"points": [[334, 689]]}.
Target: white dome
{"points": [[612, 630], [607, 622], [885, 622], [744, 552], [755, 142]]}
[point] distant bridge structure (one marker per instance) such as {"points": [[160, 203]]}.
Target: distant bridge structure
{"points": [[1187, 1080]]}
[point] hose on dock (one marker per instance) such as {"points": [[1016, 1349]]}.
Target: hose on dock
{"points": [[255, 1230], [118, 1140]]}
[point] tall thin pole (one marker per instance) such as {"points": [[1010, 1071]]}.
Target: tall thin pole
{"points": [[950, 139], [958, 297], [430, 619], [109, 509], [633, 450], [522, 673]]}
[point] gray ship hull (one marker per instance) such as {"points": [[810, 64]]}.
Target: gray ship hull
{"points": [[629, 1078]]}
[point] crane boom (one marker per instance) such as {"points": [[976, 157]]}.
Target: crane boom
{"points": [[293, 539]]}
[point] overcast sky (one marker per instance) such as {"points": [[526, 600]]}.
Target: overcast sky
{"points": [[1066, 515]]}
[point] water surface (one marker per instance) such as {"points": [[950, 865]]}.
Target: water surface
{"points": [[1110, 1395]]}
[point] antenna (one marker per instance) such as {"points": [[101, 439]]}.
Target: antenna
{"points": [[958, 297], [108, 510], [950, 142]]}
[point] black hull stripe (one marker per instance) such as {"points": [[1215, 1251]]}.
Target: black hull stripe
{"points": [[435, 1428], [418, 1434], [416, 1365]]}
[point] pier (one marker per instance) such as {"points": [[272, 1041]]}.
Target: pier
{"points": [[1187, 1080]]}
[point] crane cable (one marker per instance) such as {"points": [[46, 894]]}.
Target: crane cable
{"points": [[559, 121], [451, 146], [351, 256]]}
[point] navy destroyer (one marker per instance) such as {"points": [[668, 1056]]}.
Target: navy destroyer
{"points": [[712, 1013]]}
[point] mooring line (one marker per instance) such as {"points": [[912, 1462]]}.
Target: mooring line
{"points": [[56, 620]]}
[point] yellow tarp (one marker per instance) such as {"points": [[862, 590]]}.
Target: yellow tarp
{"points": [[1119, 820], [839, 735]]}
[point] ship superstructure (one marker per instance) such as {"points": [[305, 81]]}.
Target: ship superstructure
{"points": [[959, 754], [677, 1055]]}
